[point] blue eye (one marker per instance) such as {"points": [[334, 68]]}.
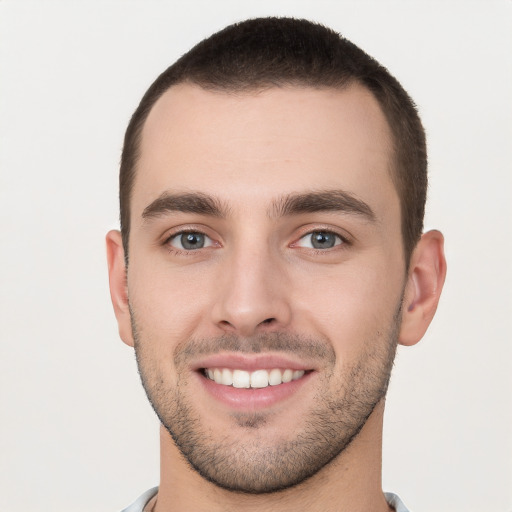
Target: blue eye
{"points": [[190, 241], [320, 240]]}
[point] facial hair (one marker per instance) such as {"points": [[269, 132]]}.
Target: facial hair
{"points": [[254, 463]]}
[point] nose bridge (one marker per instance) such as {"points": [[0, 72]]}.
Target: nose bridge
{"points": [[253, 294]]}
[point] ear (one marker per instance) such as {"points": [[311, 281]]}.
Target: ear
{"points": [[118, 285], [427, 271]]}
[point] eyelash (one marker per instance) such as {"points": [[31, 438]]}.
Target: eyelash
{"points": [[175, 235], [344, 241]]}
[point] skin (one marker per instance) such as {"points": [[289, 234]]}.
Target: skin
{"points": [[355, 300]]}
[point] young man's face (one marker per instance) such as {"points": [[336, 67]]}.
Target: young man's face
{"points": [[265, 244]]}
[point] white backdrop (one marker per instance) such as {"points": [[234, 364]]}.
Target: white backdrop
{"points": [[76, 432]]}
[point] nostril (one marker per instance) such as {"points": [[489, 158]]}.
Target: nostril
{"points": [[247, 328]]}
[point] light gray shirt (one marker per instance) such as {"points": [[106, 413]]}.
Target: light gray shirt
{"points": [[138, 506]]}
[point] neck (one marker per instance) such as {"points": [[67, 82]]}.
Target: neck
{"points": [[352, 482]]}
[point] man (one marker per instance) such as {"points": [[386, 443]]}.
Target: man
{"points": [[270, 259]]}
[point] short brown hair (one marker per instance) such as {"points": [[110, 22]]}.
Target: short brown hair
{"points": [[273, 52]]}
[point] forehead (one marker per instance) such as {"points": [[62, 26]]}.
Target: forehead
{"points": [[246, 148]]}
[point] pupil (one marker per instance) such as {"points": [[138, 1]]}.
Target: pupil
{"points": [[192, 240], [322, 240]]}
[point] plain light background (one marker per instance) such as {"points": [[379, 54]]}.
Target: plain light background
{"points": [[76, 431]]}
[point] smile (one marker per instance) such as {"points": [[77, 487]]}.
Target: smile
{"points": [[255, 379]]}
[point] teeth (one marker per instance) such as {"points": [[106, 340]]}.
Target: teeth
{"points": [[287, 376], [256, 379], [297, 374], [227, 377], [275, 377], [259, 379], [241, 379]]}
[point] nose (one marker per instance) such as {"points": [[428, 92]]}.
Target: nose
{"points": [[253, 295]]}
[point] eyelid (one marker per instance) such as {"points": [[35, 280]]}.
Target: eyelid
{"points": [[177, 236], [338, 241], [343, 236], [178, 231]]}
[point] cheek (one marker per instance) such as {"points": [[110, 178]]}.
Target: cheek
{"points": [[169, 301], [353, 308], [350, 303]]}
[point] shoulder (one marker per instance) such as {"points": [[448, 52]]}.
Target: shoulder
{"points": [[394, 501], [139, 504]]}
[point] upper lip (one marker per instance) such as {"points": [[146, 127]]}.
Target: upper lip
{"points": [[250, 362]]}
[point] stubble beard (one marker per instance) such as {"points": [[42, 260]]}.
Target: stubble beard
{"points": [[252, 465]]}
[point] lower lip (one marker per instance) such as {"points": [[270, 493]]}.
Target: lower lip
{"points": [[253, 398]]}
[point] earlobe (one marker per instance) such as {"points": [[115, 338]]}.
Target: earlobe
{"points": [[118, 285], [427, 272]]}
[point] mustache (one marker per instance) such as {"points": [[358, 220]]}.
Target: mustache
{"points": [[318, 349]]}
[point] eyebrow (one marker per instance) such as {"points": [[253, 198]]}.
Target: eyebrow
{"points": [[291, 204], [193, 202], [321, 201]]}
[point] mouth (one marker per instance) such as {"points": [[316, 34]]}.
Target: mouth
{"points": [[249, 383], [257, 379]]}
